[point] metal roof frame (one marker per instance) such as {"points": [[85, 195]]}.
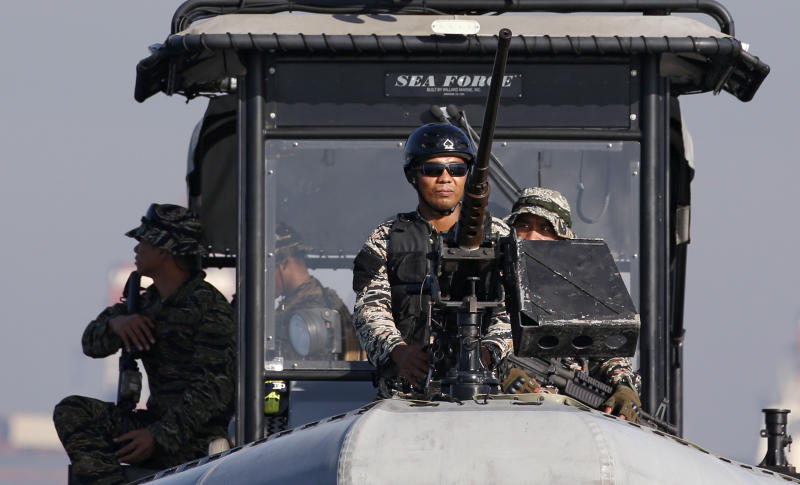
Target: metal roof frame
{"points": [[201, 59], [193, 10]]}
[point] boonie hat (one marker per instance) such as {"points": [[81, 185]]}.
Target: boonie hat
{"points": [[172, 228], [547, 203], [287, 239]]}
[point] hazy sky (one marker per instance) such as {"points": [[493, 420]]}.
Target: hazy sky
{"points": [[82, 160], [741, 303]]}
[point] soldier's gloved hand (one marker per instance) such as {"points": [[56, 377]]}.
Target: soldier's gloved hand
{"points": [[134, 330], [624, 403], [519, 382], [412, 363]]}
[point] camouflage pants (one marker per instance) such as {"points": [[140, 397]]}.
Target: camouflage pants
{"points": [[87, 428]]}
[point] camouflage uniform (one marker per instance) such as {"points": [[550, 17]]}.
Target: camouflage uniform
{"points": [[554, 207], [191, 369], [373, 319], [312, 294], [614, 371]]}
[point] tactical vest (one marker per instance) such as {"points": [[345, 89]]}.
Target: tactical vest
{"points": [[409, 256]]}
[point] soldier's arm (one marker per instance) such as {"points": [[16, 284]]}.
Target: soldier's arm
{"points": [[352, 346], [98, 339], [372, 314], [616, 371], [210, 381], [498, 334]]}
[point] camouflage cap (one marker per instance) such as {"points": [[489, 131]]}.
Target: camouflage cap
{"points": [[547, 203], [172, 228], [288, 241]]}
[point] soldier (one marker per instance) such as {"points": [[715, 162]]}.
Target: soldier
{"points": [[300, 290], [389, 320], [544, 215], [541, 214], [185, 333]]}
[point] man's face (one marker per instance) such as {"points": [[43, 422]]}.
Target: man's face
{"points": [[279, 277], [441, 192], [148, 258], [534, 228]]}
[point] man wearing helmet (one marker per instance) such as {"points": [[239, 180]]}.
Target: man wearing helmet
{"points": [[390, 320], [541, 214], [185, 335]]}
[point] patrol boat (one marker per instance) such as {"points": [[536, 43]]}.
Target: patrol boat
{"points": [[309, 104]]}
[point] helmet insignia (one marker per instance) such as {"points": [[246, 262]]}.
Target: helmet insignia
{"points": [[448, 144]]}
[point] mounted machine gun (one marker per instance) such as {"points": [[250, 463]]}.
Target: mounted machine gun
{"points": [[581, 309]]}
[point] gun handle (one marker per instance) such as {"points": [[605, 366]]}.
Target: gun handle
{"points": [[132, 288]]}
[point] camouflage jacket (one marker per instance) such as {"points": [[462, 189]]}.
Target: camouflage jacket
{"points": [[191, 368], [372, 315], [614, 371], [311, 294]]}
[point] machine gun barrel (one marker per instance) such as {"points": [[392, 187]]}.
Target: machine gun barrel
{"points": [[476, 195]]}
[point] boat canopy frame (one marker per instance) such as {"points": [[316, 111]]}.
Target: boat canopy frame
{"points": [[209, 58]]}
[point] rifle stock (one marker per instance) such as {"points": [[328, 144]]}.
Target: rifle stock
{"points": [[476, 195]]}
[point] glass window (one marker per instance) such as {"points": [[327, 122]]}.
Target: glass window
{"points": [[333, 193], [599, 179]]}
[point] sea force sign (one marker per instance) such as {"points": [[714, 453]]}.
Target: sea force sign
{"points": [[448, 84]]}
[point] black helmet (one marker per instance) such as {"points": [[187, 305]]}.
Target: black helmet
{"points": [[436, 140]]}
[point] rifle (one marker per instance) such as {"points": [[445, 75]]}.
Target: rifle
{"points": [[575, 384], [129, 386]]}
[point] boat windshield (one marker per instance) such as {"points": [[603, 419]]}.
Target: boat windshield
{"points": [[333, 193]]}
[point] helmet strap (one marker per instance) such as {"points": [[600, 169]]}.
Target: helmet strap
{"points": [[447, 212]]}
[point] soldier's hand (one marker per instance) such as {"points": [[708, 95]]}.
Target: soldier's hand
{"points": [[134, 330], [139, 448], [519, 382], [486, 356], [624, 403], [412, 363]]}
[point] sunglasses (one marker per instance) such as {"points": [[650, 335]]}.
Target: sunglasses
{"points": [[435, 169]]}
